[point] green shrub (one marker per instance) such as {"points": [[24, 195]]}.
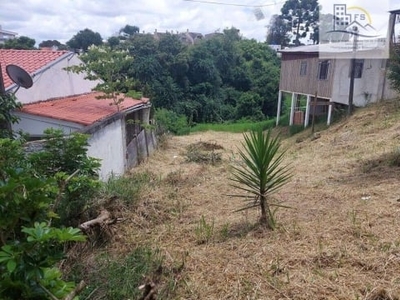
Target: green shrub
{"points": [[8, 103], [169, 121], [121, 278], [294, 129], [125, 188], [61, 157], [394, 67], [27, 265], [237, 127], [204, 231], [30, 246]]}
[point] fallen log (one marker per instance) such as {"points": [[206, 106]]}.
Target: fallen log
{"points": [[76, 291], [103, 218]]}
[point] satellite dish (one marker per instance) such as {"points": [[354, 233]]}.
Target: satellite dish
{"points": [[19, 76]]}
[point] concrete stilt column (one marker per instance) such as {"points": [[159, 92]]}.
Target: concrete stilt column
{"points": [[278, 111], [292, 109], [328, 121], [307, 117]]}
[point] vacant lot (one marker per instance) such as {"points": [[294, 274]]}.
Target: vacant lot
{"points": [[339, 240]]}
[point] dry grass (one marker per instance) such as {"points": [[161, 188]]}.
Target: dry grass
{"points": [[340, 241]]}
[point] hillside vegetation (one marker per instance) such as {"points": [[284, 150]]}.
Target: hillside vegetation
{"points": [[339, 240]]}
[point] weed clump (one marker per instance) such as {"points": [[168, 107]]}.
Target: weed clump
{"points": [[203, 152]]}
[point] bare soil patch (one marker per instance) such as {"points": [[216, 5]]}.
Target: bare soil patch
{"points": [[340, 240]]}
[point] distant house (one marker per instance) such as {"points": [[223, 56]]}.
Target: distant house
{"points": [[188, 38], [64, 100], [6, 35], [315, 70], [46, 68], [275, 47]]}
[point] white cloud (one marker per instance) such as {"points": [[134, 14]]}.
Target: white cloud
{"points": [[61, 19]]}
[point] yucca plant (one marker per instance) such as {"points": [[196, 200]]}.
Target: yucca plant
{"points": [[262, 174]]}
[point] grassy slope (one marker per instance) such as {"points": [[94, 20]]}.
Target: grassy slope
{"points": [[340, 240]]}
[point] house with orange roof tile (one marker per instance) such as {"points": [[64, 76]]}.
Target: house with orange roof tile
{"points": [[47, 69], [64, 100]]}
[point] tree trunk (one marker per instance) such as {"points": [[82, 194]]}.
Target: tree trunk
{"points": [[264, 217]]}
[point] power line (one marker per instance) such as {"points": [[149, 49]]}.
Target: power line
{"points": [[234, 4]]}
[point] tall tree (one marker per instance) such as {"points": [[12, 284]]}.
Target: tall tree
{"points": [[302, 15], [84, 39], [21, 43], [52, 43], [129, 30], [278, 31], [113, 42], [110, 66]]}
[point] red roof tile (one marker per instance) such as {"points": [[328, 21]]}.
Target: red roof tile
{"points": [[29, 60], [82, 109]]}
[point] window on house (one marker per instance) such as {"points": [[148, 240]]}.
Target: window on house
{"points": [[303, 68], [323, 69], [358, 68]]}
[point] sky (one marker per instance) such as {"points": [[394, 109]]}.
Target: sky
{"points": [[62, 19]]}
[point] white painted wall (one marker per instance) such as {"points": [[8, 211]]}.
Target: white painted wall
{"points": [[367, 89], [35, 125], [108, 145], [55, 82]]}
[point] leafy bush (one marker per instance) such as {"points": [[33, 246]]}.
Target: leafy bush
{"points": [[8, 103], [249, 106], [170, 121], [294, 129], [239, 126], [394, 68], [64, 154], [33, 188], [61, 157], [125, 188], [203, 152], [121, 278], [27, 265]]}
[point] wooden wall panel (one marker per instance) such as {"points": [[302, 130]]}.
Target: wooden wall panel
{"points": [[291, 81]]}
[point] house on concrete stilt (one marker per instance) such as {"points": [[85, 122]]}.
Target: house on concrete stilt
{"points": [[317, 77]]}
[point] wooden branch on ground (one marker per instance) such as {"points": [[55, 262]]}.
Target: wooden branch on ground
{"points": [[103, 218], [76, 291]]}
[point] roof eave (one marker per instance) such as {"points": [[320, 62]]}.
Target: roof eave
{"points": [[92, 128], [42, 69]]}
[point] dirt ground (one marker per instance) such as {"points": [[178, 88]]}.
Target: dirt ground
{"points": [[339, 240]]}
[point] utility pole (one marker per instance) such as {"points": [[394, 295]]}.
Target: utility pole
{"points": [[352, 71]]}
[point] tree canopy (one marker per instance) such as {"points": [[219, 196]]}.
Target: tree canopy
{"points": [[221, 78], [20, 43], [52, 43], [302, 16], [84, 39], [129, 30], [278, 29]]}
